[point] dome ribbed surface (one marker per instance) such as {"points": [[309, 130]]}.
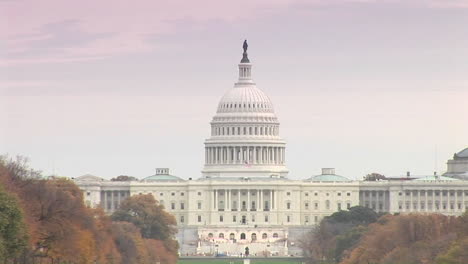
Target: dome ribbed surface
{"points": [[162, 177], [463, 153], [245, 99], [329, 178]]}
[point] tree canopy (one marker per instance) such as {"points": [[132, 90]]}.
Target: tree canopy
{"points": [[45, 220]]}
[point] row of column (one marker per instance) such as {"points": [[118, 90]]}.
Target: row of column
{"points": [[434, 199], [245, 131], [110, 200], [229, 197], [244, 155]]}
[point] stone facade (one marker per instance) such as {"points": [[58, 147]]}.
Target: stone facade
{"points": [[244, 196]]}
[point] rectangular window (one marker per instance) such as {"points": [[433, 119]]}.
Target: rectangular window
{"points": [[339, 206], [316, 206], [199, 205], [288, 219], [288, 205], [221, 218], [266, 218], [173, 206], [199, 219], [306, 219], [234, 219], [182, 206], [182, 219], [348, 205], [306, 206]]}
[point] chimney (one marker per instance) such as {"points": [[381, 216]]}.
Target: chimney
{"points": [[328, 171]]}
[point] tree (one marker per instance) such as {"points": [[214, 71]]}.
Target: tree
{"points": [[337, 234], [153, 221], [124, 178], [13, 233], [374, 177], [145, 213]]}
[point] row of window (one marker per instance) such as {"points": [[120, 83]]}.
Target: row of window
{"points": [[242, 236], [435, 193], [437, 206], [244, 105], [250, 131], [326, 194]]}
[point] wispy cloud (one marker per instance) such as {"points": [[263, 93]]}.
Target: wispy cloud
{"points": [[53, 31]]}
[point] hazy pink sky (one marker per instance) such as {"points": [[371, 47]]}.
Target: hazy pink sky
{"points": [[122, 87]]}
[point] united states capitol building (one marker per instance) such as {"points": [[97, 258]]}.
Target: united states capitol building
{"points": [[244, 196]]}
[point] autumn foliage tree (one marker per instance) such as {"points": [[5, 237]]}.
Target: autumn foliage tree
{"points": [[153, 221], [44, 220]]}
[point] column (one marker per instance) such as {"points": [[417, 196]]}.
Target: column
{"points": [[211, 155], [214, 200], [258, 200], [271, 200], [275, 199], [248, 200], [426, 203], [260, 158], [112, 200], [104, 201], [276, 155], [239, 200], [228, 199], [377, 208], [267, 155], [411, 200], [255, 155], [221, 156], [229, 155], [260, 204]]}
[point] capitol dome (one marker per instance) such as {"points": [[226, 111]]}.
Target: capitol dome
{"points": [[245, 139], [245, 98]]}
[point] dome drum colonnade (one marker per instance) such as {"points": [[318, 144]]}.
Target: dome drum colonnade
{"points": [[245, 133]]}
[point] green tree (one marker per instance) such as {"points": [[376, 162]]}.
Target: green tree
{"points": [[145, 213], [13, 234]]}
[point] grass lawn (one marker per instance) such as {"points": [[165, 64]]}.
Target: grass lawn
{"points": [[224, 261]]}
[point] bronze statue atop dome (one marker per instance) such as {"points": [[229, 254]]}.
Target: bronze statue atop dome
{"points": [[245, 59]]}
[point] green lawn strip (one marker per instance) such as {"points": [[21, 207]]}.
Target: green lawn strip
{"points": [[252, 261]]}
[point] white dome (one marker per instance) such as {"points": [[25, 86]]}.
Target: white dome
{"points": [[245, 98]]}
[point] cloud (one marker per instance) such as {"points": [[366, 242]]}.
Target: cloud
{"points": [[54, 31]]}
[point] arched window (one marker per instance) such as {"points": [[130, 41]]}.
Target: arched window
{"points": [[254, 237], [264, 236], [210, 235], [232, 236], [221, 235], [275, 235], [242, 236]]}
